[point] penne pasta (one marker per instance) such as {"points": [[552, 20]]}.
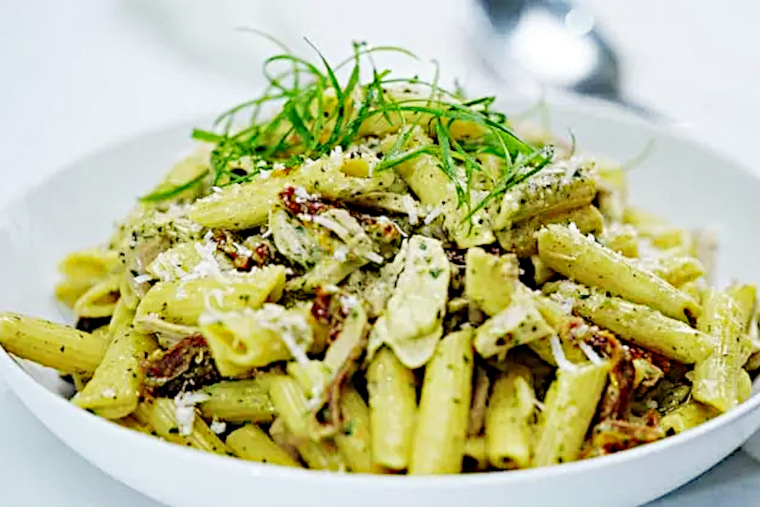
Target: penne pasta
{"points": [[439, 438], [393, 410], [570, 253]]}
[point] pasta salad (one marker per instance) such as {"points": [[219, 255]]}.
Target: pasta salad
{"points": [[360, 272]]}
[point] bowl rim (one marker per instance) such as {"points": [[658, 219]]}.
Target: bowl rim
{"points": [[14, 374]]}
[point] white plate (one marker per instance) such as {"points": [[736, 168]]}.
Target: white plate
{"points": [[77, 208]]}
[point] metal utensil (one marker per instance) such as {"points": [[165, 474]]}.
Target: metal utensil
{"points": [[532, 44]]}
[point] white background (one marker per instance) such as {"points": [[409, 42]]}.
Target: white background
{"points": [[78, 75]]}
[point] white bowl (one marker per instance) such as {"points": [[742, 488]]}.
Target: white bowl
{"points": [[680, 179]]}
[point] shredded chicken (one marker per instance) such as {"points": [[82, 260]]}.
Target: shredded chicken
{"points": [[481, 389]]}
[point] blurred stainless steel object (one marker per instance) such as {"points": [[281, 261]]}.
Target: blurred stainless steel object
{"points": [[532, 44]]}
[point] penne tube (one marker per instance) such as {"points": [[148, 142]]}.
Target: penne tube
{"points": [[247, 205], [160, 414], [621, 238], [122, 317], [613, 190], [114, 390], [562, 186], [521, 238], [577, 257], [441, 431], [661, 234], [434, 189], [509, 428], [322, 455], [242, 341], [183, 302], [53, 345], [92, 264], [676, 269], [569, 408], [640, 324], [132, 423], [291, 405], [251, 443], [100, 300], [745, 297], [687, 416], [475, 449], [717, 377], [354, 441], [239, 401], [393, 410], [541, 272]]}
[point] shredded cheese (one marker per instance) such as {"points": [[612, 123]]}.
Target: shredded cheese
{"points": [[184, 410], [292, 328], [559, 355], [329, 224], [433, 214], [242, 249], [411, 209], [218, 426], [302, 195], [590, 353], [565, 304], [341, 254], [374, 257], [142, 279]]}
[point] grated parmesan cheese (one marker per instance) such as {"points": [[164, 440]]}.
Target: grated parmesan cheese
{"points": [[242, 249], [433, 214], [559, 355], [566, 304], [184, 410], [341, 254], [590, 353], [374, 257], [142, 279], [329, 224], [218, 426], [348, 302], [411, 209], [108, 392], [292, 328], [302, 195]]}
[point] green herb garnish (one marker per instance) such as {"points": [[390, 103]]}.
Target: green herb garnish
{"points": [[316, 108]]}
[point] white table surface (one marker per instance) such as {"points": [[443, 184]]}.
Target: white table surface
{"points": [[78, 75]]}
